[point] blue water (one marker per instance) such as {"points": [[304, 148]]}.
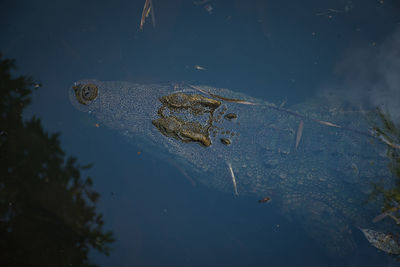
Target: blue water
{"points": [[273, 50]]}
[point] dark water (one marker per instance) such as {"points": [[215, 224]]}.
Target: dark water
{"points": [[272, 50]]}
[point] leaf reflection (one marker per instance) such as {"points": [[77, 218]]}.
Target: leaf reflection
{"points": [[47, 209], [386, 130]]}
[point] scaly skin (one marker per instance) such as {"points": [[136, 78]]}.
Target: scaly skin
{"points": [[323, 183]]}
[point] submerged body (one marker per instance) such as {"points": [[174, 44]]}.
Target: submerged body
{"points": [[232, 142]]}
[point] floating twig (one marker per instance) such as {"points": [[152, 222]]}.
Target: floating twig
{"points": [[233, 179], [299, 133], [147, 9]]}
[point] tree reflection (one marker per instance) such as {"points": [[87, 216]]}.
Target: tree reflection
{"points": [[388, 132], [47, 210]]}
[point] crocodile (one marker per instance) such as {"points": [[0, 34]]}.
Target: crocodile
{"points": [[229, 141]]}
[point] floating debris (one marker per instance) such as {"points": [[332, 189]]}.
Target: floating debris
{"points": [[382, 241], [233, 179], [223, 98], [199, 89], [264, 200], [232, 100], [329, 12], [197, 67], [397, 220], [389, 213], [147, 10], [328, 123], [230, 116], [37, 85], [383, 139], [225, 141], [283, 103], [355, 169], [299, 133]]}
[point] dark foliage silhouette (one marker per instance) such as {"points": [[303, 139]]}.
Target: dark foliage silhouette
{"points": [[47, 210]]}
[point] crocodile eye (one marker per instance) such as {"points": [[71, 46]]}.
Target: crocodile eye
{"points": [[86, 93]]}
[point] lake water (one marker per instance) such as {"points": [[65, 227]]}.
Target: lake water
{"points": [[277, 51]]}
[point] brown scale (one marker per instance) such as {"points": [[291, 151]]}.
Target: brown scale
{"points": [[186, 131]]}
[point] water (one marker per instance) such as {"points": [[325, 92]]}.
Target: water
{"points": [[274, 51]]}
